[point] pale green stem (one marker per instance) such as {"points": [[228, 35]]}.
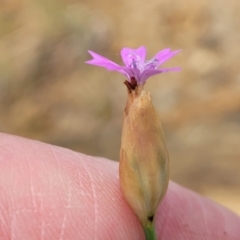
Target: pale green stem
{"points": [[149, 230]]}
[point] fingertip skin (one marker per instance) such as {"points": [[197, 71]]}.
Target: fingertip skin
{"points": [[48, 192], [184, 214]]}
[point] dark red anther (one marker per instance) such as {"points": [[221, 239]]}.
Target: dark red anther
{"points": [[131, 85]]}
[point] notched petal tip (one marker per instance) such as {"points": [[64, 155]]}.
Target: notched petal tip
{"points": [[165, 55], [101, 61], [139, 54]]}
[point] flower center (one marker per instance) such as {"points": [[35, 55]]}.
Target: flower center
{"points": [[151, 64], [133, 60]]}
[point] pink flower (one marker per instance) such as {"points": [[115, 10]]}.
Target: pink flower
{"points": [[136, 67]]}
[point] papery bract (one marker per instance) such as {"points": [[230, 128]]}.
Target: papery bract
{"points": [[143, 164]]}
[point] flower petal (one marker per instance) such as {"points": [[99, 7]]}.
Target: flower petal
{"points": [[101, 61], [135, 64], [128, 54], [131, 72], [164, 55], [151, 72]]}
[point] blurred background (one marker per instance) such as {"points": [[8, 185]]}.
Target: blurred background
{"points": [[48, 93]]}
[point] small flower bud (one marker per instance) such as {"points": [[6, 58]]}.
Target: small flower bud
{"points": [[144, 166]]}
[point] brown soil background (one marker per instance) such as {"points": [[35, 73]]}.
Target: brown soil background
{"points": [[48, 93]]}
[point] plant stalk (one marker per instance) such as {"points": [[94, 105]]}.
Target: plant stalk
{"points": [[149, 230]]}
